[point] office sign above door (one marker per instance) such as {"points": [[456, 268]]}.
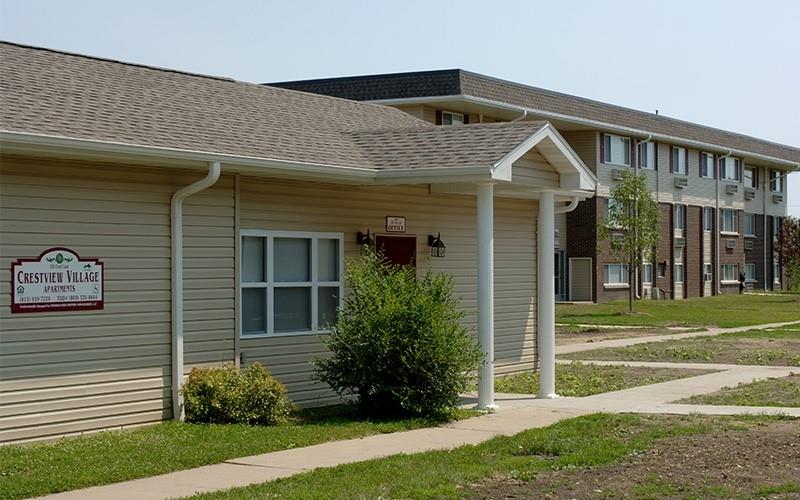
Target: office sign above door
{"points": [[395, 224]]}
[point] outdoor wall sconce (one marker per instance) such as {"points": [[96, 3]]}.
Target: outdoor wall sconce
{"points": [[437, 246], [365, 240]]}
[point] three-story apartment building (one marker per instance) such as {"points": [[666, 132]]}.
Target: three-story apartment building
{"points": [[722, 194]]}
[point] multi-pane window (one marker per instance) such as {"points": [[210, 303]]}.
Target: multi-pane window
{"points": [[707, 165], [662, 269], [729, 168], [730, 220], [775, 181], [750, 178], [776, 272], [679, 165], [647, 273], [647, 155], [291, 282], [730, 272], [680, 217], [616, 274], [678, 273], [708, 218], [749, 224], [616, 150], [708, 273], [449, 118], [749, 272], [776, 228]]}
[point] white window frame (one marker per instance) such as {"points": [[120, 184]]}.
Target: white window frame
{"points": [[775, 181], [452, 115], [679, 164], [647, 155], [680, 217], [752, 183], [608, 147], [750, 232], [776, 272], [708, 272], [679, 276], [647, 273], [729, 280], [707, 165], [726, 164], [622, 273], [722, 215], [314, 284], [708, 219], [749, 277]]}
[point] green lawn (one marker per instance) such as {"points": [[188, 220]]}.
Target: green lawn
{"points": [[778, 347], [112, 456], [575, 444], [771, 392], [582, 379], [721, 310]]}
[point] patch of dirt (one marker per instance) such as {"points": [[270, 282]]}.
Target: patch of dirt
{"points": [[579, 335], [721, 464]]}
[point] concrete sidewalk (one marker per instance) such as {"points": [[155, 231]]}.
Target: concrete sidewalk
{"points": [[602, 344]]}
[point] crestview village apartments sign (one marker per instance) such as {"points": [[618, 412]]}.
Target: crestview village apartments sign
{"points": [[58, 280]]}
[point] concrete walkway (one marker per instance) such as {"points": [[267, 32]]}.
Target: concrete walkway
{"points": [[517, 413]]}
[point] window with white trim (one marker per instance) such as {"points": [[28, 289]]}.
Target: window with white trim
{"points": [[730, 273], [647, 273], [730, 220], [775, 181], [647, 155], [750, 225], [291, 282], [708, 273], [680, 217], [678, 272], [679, 161], [776, 272], [450, 118], [708, 219], [707, 165], [616, 150], [750, 273], [729, 168], [616, 274], [750, 178]]}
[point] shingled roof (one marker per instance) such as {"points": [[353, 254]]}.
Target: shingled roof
{"points": [[457, 82], [52, 93]]}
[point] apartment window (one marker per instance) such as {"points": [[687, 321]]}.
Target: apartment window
{"points": [[678, 273], [662, 269], [707, 165], [680, 217], [708, 219], [730, 220], [750, 273], [776, 272], [708, 273], [679, 161], [616, 150], [613, 208], [729, 169], [776, 228], [730, 273], [647, 273], [291, 281], [750, 178], [450, 118], [647, 155], [616, 274], [775, 181], [750, 225]]}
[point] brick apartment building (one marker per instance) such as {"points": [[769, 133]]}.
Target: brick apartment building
{"points": [[722, 194]]}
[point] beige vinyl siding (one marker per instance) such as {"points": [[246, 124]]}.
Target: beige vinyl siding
{"points": [[292, 206], [756, 205], [532, 170], [415, 110], [68, 372], [586, 143]]}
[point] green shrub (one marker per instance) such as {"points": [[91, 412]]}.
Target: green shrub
{"points": [[398, 346], [225, 395]]}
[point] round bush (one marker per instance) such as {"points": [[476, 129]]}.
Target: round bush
{"points": [[225, 395], [398, 346]]}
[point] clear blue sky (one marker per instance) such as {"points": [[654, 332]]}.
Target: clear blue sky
{"points": [[730, 64]]}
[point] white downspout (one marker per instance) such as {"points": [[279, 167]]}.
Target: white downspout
{"points": [[717, 265], [521, 117], [636, 171], [176, 238], [764, 217]]}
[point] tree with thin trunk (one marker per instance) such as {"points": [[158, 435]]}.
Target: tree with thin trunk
{"points": [[632, 226], [789, 250]]}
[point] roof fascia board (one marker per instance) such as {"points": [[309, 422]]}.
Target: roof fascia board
{"points": [[712, 148]]}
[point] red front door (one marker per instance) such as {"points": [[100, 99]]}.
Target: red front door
{"points": [[400, 250]]}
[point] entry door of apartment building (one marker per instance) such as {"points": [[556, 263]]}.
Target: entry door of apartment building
{"points": [[398, 249], [580, 278]]}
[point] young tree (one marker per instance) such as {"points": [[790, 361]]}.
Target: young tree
{"points": [[789, 248], [633, 225]]}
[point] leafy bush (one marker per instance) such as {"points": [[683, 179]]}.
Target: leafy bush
{"points": [[225, 395], [398, 346]]}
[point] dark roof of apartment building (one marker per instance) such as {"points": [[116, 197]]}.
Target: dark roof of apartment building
{"points": [[51, 93], [457, 82]]}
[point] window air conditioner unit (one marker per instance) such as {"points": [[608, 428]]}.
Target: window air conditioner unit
{"points": [[732, 188], [617, 238], [616, 174], [681, 182], [730, 244], [749, 194], [777, 198], [748, 244], [680, 242]]}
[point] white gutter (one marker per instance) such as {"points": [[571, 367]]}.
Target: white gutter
{"points": [[717, 265], [585, 121], [176, 238]]}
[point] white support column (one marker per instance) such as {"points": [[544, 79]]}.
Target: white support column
{"points": [[546, 297], [486, 295]]}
